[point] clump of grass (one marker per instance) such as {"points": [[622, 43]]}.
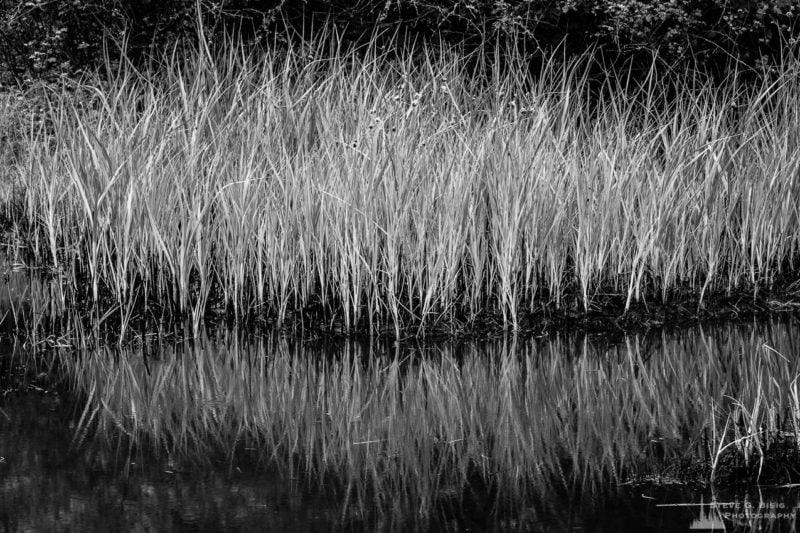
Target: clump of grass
{"points": [[405, 191], [428, 425]]}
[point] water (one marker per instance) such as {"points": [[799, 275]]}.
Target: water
{"points": [[47, 486], [243, 432]]}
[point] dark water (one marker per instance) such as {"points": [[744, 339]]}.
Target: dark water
{"points": [[49, 486], [229, 432], [216, 434]]}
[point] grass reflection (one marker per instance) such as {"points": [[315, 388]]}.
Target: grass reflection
{"points": [[416, 427]]}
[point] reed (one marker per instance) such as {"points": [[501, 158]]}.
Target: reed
{"points": [[398, 192]]}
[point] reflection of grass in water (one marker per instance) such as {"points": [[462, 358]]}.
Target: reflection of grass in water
{"points": [[520, 418], [28, 302]]}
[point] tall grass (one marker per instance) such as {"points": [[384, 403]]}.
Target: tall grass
{"points": [[406, 191], [417, 428]]}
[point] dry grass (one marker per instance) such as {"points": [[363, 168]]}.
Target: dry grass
{"points": [[399, 192]]}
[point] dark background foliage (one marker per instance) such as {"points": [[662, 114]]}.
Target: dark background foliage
{"points": [[44, 39]]}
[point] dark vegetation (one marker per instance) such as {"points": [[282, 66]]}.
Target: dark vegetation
{"points": [[42, 40]]}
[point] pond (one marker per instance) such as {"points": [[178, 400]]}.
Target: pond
{"points": [[570, 432]]}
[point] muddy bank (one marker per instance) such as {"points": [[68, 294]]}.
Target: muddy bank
{"points": [[607, 316]]}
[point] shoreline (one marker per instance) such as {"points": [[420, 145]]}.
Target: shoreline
{"points": [[606, 317]]}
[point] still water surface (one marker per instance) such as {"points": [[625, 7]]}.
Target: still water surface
{"points": [[233, 432]]}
